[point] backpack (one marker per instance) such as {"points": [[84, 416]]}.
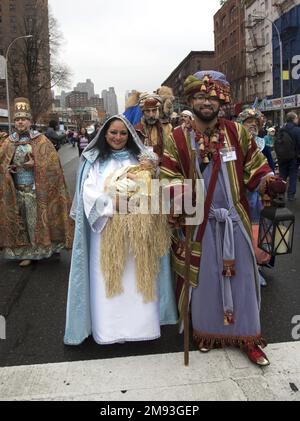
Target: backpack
{"points": [[285, 146]]}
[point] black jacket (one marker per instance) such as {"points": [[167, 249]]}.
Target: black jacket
{"points": [[55, 138], [294, 131]]}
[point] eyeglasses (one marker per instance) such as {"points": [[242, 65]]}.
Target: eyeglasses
{"points": [[203, 98]]}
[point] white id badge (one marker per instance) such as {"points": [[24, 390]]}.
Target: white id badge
{"points": [[228, 154]]}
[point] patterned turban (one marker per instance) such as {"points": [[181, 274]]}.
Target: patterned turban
{"points": [[150, 101], [208, 82], [250, 113]]}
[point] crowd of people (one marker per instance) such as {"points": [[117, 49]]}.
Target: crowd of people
{"points": [[127, 262]]}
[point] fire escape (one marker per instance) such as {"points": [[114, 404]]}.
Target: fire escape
{"points": [[255, 69], [283, 5]]}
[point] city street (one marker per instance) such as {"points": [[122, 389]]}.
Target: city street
{"points": [[33, 301]]}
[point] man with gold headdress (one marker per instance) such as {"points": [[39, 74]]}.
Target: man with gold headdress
{"points": [[225, 297], [34, 201]]}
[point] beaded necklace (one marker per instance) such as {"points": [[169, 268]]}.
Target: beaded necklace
{"points": [[210, 142]]}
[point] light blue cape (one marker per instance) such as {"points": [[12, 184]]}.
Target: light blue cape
{"points": [[78, 320]]}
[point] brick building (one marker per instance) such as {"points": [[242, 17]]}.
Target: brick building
{"points": [[17, 18], [77, 100], [97, 102], [196, 60], [230, 46]]}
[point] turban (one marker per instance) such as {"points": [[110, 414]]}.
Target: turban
{"points": [[250, 113], [150, 101], [208, 82]]}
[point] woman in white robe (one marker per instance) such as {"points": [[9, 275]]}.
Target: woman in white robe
{"points": [[124, 316]]}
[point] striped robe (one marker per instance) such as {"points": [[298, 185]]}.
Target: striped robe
{"points": [[244, 173]]}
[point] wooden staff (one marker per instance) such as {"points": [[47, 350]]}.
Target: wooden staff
{"points": [[188, 239]]}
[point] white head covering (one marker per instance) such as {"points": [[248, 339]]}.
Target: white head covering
{"points": [[271, 130], [130, 128], [188, 113], [90, 153]]}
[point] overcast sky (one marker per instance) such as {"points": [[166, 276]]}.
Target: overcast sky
{"points": [[131, 44]]}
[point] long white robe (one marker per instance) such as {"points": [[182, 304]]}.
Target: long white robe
{"points": [[125, 317]]}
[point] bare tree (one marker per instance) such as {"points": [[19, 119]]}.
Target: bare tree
{"points": [[34, 68]]}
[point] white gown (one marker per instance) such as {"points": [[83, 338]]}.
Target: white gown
{"points": [[125, 317]]}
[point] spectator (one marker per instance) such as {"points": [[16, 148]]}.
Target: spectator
{"points": [[53, 136], [95, 132], [83, 140], [187, 119], [288, 169], [270, 137]]}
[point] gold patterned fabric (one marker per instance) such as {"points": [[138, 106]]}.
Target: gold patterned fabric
{"points": [[28, 209], [39, 218]]}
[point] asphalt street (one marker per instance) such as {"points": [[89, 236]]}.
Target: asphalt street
{"points": [[33, 302]]}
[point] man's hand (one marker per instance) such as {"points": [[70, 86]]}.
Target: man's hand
{"points": [[273, 187], [176, 221], [29, 163], [12, 169]]}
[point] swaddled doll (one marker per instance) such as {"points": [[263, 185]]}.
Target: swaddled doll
{"points": [[134, 179]]}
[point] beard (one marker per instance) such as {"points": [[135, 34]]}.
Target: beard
{"points": [[22, 131], [205, 117], [253, 130], [151, 121]]}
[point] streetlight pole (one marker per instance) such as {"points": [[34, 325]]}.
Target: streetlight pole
{"points": [[6, 79], [257, 17]]}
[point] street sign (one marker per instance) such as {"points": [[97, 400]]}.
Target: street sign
{"points": [[2, 67], [3, 113]]}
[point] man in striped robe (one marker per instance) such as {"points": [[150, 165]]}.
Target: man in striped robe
{"points": [[225, 297]]}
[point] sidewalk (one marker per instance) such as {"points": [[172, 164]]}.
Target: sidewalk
{"points": [[217, 376]]}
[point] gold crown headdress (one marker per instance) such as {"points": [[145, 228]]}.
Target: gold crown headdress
{"points": [[22, 109]]}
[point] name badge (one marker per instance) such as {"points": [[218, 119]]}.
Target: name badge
{"points": [[228, 154]]}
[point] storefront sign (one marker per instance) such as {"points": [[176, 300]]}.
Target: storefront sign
{"points": [[275, 104]]}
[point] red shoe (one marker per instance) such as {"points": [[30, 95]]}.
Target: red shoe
{"points": [[256, 355]]}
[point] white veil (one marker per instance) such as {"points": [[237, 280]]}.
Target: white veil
{"points": [[130, 128]]}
